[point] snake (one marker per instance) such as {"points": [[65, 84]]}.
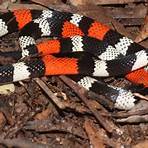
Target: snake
{"points": [[76, 45]]}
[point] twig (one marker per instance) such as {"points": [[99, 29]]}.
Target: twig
{"points": [[134, 119], [97, 136], [64, 126], [127, 114], [104, 2], [15, 6], [108, 2], [95, 139], [140, 96], [21, 143], [49, 93]]}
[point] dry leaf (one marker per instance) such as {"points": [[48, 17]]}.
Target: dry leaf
{"points": [[47, 2], [95, 139], [44, 114], [143, 144], [144, 31]]}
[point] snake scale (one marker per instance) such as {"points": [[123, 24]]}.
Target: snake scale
{"points": [[87, 47]]}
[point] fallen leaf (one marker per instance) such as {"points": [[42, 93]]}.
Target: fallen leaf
{"points": [[47, 2], [2, 120], [7, 89], [144, 31], [143, 144], [95, 139], [43, 115]]}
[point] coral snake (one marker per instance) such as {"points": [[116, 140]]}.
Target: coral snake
{"points": [[86, 46]]}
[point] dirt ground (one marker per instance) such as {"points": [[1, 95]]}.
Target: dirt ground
{"points": [[54, 111]]}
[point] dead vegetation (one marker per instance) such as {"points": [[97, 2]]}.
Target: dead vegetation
{"points": [[56, 112]]}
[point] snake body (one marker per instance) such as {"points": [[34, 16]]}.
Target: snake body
{"points": [[100, 51]]}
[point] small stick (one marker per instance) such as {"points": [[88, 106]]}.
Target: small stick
{"points": [[103, 2], [140, 96], [17, 142], [95, 139], [98, 136], [108, 2], [49, 93]]}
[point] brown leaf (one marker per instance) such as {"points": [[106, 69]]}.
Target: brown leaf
{"points": [[144, 31], [80, 2], [43, 115], [143, 144], [95, 139], [47, 2], [2, 120]]}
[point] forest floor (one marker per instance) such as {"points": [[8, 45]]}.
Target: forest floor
{"points": [[55, 112]]}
